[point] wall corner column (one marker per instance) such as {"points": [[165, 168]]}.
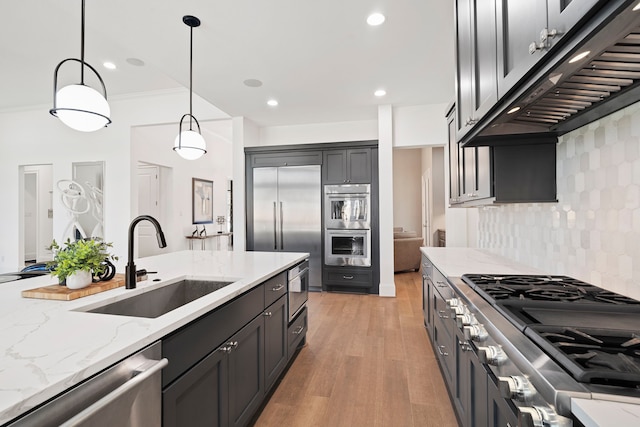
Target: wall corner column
{"points": [[385, 207]]}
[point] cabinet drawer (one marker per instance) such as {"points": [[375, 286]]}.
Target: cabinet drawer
{"points": [[274, 288], [185, 347], [348, 277], [297, 332]]}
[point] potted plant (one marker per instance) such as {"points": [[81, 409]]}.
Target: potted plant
{"points": [[77, 262]]}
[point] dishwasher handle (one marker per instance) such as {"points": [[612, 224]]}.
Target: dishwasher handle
{"points": [[149, 369]]}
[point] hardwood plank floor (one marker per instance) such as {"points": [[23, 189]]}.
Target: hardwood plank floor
{"points": [[367, 362]]}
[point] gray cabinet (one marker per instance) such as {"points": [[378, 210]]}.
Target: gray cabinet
{"points": [[455, 168], [350, 166], [222, 365], [347, 278], [275, 341], [476, 61], [528, 30], [296, 333], [476, 173], [470, 396]]}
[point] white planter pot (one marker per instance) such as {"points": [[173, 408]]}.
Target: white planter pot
{"points": [[78, 280]]}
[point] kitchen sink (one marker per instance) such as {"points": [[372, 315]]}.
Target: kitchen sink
{"points": [[162, 300]]}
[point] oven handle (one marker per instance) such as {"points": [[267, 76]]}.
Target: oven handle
{"points": [[275, 228], [281, 226]]}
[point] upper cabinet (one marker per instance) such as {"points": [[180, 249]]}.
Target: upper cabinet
{"points": [[476, 65], [350, 166], [528, 30]]}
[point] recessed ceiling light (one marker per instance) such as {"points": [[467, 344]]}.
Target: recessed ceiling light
{"points": [[375, 19], [272, 103], [636, 7], [513, 110], [252, 83], [109, 65], [579, 56], [135, 62], [380, 92]]}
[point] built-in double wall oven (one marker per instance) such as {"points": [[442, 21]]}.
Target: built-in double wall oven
{"points": [[347, 213]]}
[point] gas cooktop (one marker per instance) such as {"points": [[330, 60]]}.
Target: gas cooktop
{"points": [[591, 332]]}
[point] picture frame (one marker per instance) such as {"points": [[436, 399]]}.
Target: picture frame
{"points": [[202, 201]]}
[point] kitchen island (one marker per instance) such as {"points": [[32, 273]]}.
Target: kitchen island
{"points": [[49, 346], [465, 349]]}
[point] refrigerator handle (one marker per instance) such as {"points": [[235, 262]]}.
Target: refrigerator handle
{"points": [[275, 229], [281, 228]]}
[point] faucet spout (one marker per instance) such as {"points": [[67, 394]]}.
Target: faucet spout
{"points": [[130, 269]]}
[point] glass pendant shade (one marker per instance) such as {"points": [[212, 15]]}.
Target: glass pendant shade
{"points": [[190, 145], [82, 108]]}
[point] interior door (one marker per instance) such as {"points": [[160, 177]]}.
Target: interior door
{"points": [[265, 218], [30, 215], [148, 204]]}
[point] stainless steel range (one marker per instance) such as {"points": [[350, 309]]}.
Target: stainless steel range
{"points": [[550, 338]]}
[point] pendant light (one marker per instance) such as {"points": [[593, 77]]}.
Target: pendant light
{"points": [[77, 105], [190, 144]]}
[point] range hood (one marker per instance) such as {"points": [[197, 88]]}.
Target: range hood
{"points": [[565, 93]]}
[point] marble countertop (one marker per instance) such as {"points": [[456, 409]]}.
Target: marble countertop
{"points": [[48, 346], [454, 262]]}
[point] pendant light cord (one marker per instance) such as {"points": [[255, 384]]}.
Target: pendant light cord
{"points": [[82, 47], [190, 79]]}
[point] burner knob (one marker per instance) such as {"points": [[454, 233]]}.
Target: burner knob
{"points": [[466, 319], [516, 387], [453, 302], [475, 332], [492, 355], [459, 310], [537, 416]]}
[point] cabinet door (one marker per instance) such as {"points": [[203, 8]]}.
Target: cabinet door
{"points": [[563, 15], [334, 166], [461, 391], [519, 24], [454, 163], [359, 166], [485, 83], [476, 164], [199, 397], [478, 391], [464, 71], [477, 61], [275, 341], [246, 372]]}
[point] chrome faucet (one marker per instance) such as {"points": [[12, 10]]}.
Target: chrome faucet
{"points": [[130, 269]]}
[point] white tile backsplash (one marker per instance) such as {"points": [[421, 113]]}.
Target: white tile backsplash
{"points": [[593, 232]]}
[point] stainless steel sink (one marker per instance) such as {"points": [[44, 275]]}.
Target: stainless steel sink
{"points": [[159, 301]]}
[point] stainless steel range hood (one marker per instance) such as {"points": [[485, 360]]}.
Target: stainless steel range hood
{"points": [[565, 94]]}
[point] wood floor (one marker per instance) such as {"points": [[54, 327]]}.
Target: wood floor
{"points": [[367, 362]]}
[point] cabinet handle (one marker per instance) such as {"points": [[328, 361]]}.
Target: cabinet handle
{"points": [[267, 314], [347, 277], [534, 46], [464, 346], [546, 34], [298, 330], [442, 315], [441, 350], [277, 288]]}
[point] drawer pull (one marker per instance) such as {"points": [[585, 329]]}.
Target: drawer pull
{"points": [[267, 314], [441, 350], [298, 330], [277, 288], [347, 277]]}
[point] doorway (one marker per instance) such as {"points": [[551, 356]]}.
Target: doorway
{"points": [[149, 203], [36, 213]]}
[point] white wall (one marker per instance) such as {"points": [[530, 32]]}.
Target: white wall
{"points": [[32, 136], [593, 232], [418, 126], [215, 166], [317, 132], [407, 189]]}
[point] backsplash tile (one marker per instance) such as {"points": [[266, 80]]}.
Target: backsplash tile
{"points": [[593, 232]]}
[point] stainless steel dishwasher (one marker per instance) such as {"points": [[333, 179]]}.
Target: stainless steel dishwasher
{"points": [[126, 394]]}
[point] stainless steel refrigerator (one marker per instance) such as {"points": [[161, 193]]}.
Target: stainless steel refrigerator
{"points": [[287, 213]]}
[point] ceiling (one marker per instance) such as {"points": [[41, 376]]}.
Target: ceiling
{"points": [[319, 59]]}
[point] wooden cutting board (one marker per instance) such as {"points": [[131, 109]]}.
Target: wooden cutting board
{"points": [[62, 293]]}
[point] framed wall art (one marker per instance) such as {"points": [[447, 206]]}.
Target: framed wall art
{"points": [[202, 201]]}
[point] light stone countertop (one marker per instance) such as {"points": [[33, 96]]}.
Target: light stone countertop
{"points": [[454, 262], [47, 347]]}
